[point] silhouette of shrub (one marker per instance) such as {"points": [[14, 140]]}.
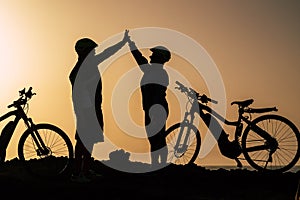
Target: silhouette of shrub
{"points": [[119, 155]]}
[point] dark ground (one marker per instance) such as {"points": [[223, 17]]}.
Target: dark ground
{"points": [[172, 182]]}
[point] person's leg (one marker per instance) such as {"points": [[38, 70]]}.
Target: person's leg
{"points": [[80, 163], [159, 147], [163, 143], [153, 154], [78, 156], [162, 147], [155, 126], [87, 159], [82, 157], [154, 150]]}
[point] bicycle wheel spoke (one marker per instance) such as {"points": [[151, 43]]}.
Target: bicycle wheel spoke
{"points": [[284, 134], [289, 137], [284, 151]]}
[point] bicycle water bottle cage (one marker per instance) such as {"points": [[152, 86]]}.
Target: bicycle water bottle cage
{"points": [[244, 103]]}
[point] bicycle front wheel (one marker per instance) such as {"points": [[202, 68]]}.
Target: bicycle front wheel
{"points": [[183, 150], [58, 159], [287, 139]]}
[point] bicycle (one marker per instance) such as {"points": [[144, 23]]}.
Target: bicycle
{"points": [[269, 142], [45, 149]]}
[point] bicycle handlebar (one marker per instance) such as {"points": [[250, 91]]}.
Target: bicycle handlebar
{"points": [[24, 97], [194, 94]]}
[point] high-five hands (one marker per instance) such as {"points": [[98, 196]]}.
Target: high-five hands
{"points": [[126, 37]]}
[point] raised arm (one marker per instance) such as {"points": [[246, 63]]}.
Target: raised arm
{"points": [[112, 49], [140, 59]]}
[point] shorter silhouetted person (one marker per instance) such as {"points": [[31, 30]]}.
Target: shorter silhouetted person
{"points": [[153, 85], [86, 84]]}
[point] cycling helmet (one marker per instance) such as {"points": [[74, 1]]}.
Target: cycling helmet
{"points": [[162, 51], [85, 45]]}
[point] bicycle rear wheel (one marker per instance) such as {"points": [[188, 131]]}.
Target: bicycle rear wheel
{"points": [[183, 155], [58, 160], [287, 136]]}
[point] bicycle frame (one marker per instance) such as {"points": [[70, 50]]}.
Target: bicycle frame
{"points": [[15, 121], [20, 114], [241, 119]]}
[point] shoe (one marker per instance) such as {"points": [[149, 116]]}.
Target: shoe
{"points": [[80, 179]]}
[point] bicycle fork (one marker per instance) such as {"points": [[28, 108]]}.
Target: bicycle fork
{"points": [[181, 147], [42, 149]]}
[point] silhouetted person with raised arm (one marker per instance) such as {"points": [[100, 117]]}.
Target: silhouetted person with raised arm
{"points": [[86, 84], [153, 84]]}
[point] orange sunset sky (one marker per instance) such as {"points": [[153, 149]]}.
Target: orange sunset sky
{"points": [[254, 44]]}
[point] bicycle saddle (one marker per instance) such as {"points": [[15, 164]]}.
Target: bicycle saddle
{"points": [[244, 103]]}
